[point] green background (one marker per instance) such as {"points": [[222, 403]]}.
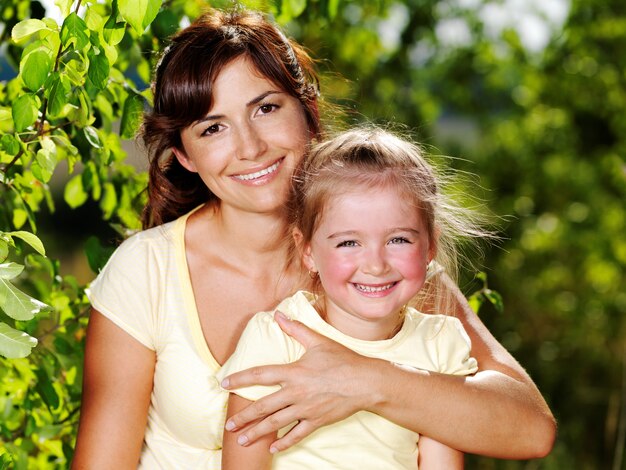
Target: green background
{"points": [[528, 96]]}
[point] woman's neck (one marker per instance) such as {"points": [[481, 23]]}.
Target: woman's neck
{"points": [[251, 241]]}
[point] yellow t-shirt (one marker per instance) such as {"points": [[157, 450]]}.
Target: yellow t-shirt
{"points": [[145, 289], [365, 440]]}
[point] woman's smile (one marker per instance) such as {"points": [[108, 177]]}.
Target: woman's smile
{"points": [[257, 177]]}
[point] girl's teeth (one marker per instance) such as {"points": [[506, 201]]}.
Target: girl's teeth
{"points": [[370, 289], [258, 174]]}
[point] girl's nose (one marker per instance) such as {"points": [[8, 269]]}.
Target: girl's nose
{"points": [[250, 144], [375, 262]]}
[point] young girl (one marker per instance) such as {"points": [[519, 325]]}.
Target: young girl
{"points": [[368, 218]]}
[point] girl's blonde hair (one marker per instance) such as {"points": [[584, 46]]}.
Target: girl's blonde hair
{"points": [[369, 157]]}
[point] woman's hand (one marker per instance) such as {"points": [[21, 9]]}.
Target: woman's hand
{"points": [[324, 386]]}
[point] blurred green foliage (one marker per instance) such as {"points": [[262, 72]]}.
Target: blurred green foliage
{"points": [[544, 128]]}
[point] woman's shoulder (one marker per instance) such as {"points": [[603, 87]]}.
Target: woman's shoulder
{"points": [[431, 321], [164, 234]]}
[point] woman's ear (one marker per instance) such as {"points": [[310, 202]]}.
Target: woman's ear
{"points": [[185, 161], [304, 249]]}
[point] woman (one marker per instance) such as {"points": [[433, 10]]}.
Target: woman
{"points": [[235, 106]]}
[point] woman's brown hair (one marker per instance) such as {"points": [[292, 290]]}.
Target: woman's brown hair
{"points": [[183, 94]]}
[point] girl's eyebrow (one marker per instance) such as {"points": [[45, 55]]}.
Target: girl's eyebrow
{"points": [[252, 102], [353, 232]]}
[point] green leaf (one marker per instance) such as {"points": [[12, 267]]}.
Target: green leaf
{"points": [[10, 144], [24, 112], [108, 202], [58, 94], [47, 161], [31, 239], [4, 250], [139, 13], [17, 304], [35, 69], [333, 6], [97, 255], [10, 270], [475, 301], [74, 193], [25, 28], [293, 8], [98, 72], [114, 30], [75, 31], [65, 6], [92, 136], [495, 299], [46, 390], [15, 344], [131, 116]]}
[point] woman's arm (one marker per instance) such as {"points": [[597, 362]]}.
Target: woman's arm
{"points": [[253, 456], [498, 412], [117, 383], [434, 455]]}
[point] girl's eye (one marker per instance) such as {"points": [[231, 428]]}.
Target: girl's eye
{"points": [[398, 240], [347, 243], [212, 129]]}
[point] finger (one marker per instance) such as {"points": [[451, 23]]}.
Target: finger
{"points": [[295, 435], [303, 334], [260, 375], [265, 407], [269, 425]]}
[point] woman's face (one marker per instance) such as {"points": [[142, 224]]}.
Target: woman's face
{"points": [[246, 147]]}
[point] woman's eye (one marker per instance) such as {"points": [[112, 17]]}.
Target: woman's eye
{"points": [[398, 240], [267, 108], [347, 243], [212, 129]]}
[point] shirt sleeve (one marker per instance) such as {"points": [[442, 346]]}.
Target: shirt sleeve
{"points": [[262, 343], [454, 349], [124, 291]]}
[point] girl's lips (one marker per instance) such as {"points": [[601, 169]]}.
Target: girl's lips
{"points": [[374, 290], [250, 177]]}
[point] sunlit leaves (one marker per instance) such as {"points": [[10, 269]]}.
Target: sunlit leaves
{"points": [[74, 31], [29, 238], [26, 28], [139, 13], [9, 144], [113, 29], [98, 72], [35, 69], [131, 116], [15, 344], [16, 304], [91, 134], [24, 112], [58, 94], [74, 193]]}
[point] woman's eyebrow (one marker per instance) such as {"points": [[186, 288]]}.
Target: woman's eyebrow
{"points": [[252, 102], [261, 97]]}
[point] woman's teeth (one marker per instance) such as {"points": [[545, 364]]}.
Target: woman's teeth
{"points": [[371, 289], [258, 174]]}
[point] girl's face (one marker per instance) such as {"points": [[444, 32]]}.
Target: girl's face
{"points": [[371, 250], [246, 148]]}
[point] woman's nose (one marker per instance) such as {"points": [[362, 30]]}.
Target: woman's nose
{"points": [[250, 144]]}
